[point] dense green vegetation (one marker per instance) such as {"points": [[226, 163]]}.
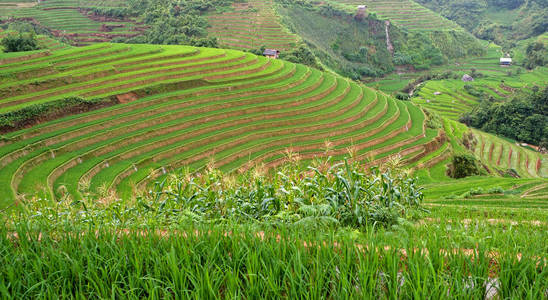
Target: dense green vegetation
{"points": [[131, 170], [162, 245], [536, 55], [524, 118], [357, 47], [19, 42], [174, 22]]}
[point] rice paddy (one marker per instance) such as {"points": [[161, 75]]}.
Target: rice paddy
{"points": [[212, 173], [251, 25], [404, 13], [185, 107], [72, 20]]}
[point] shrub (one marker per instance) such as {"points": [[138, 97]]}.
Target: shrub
{"points": [[20, 42], [402, 96], [463, 165]]}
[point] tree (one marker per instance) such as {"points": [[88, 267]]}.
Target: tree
{"points": [[20, 42], [524, 118], [536, 55]]}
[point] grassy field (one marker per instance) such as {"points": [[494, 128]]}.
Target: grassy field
{"points": [[187, 107]]}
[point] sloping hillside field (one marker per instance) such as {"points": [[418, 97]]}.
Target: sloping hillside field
{"points": [[250, 25], [179, 106], [405, 13], [74, 20]]}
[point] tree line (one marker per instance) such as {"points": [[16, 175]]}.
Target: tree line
{"points": [[524, 118]]}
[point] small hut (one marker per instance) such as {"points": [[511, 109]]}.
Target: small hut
{"points": [[505, 61], [271, 53]]}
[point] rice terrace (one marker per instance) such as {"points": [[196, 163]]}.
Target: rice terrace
{"points": [[265, 149]]}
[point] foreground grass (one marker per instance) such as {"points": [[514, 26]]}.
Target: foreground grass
{"points": [[216, 236], [254, 261]]}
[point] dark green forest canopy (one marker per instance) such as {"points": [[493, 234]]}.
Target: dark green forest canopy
{"points": [[524, 118]]}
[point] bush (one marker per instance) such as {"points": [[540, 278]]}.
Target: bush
{"points": [[20, 42], [402, 96], [463, 165], [301, 55]]}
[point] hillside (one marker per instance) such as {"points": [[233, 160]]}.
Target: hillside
{"points": [[364, 45], [251, 25], [404, 13], [184, 107], [78, 22], [504, 22], [150, 149]]}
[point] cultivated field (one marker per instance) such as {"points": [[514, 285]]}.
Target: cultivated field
{"points": [[250, 25], [405, 13], [72, 19], [185, 107]]}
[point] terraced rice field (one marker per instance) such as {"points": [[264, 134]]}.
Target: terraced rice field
{"points": [[183, 107], [72, 19], [502, 154], [250, 25], [404, 13], [450, 98]]}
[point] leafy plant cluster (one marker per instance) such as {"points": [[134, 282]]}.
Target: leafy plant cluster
{"points": [[175, 21], [463, 165], [524, 118], [19, 42], [536, 55], [342, 194]]}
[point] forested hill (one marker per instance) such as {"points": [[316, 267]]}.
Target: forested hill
{"points": [[502, 21]]}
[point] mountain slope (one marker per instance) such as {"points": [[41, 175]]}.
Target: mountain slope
{"points": [[186, 107]]}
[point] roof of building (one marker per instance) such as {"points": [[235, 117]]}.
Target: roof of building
{"points": [[505, 59], [270, 52]]}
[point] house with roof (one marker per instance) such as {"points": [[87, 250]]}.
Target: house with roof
{"points": [[271, 53], [505, 61]]}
